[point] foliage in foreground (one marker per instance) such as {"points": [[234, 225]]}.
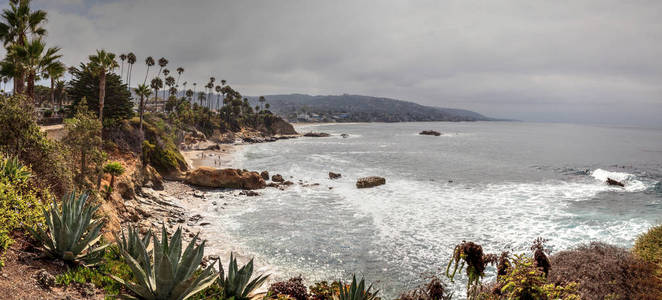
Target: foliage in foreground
{"points": [[19, 200], [649, 246], [356, 291], [606, 272], [238, 284], [72, 232], [293, 288], [99, 275], [433, 290], [165, 273], [20, 136]]}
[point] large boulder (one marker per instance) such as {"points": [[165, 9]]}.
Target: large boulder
{"points": [[430, 132], [316, 134], [225, 178], [265, 175], [277, 178], [372, 181], [615, 182]]}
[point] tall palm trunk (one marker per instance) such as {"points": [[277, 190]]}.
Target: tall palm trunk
{"points": [[146, 73], [52, 90], [102, 93], [30, 90], [142, 109]]}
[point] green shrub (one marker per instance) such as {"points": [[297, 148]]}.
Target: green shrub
{"points": [[19, 201], [20, 136], [649, 246], [72, 232], [324, 291], [114, 169], [99, 275], [524, 280]]}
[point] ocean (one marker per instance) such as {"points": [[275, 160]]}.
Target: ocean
{"points": [[499, 184]]}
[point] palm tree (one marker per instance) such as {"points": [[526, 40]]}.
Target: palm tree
{"points": [[144, 92], [61, 92], [180, 70], [189, 94], [131, 59], [201, 97], [156, 84], [54, 71], [162, 63], [102, 63], [19, 22], [166, 72], [149, 61], [29, 58], [170, 81], [122, 58], [194, 88], [262, 99]]}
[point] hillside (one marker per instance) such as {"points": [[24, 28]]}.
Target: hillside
{"points": [[356, 108]]}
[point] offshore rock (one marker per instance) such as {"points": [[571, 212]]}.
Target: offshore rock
{"points": [[430, 132], [334, 175], [368, 182], [225, 178], [614, 182]]}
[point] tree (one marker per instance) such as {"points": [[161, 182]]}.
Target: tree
{"points": [[180, 70], [19, 23], [84, 138], [149, 61], [189, 94], [156, 84], [122, 58], [54, 72], [162, 63], [114, 169], [262, 100], [170, 82], [30, 58], [131, 59], [85, 83], [101, 64], [143, 91]]}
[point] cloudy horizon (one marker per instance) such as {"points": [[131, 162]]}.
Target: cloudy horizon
{"points": [[550, 61]]}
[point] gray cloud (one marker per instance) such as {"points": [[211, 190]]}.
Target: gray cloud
{"points": [[592, 61]]}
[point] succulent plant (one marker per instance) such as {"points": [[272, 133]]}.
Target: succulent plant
{"points": [[356, 291], [72, 231], [13, 170], [166, 273], [237, 284], [134, 245]]}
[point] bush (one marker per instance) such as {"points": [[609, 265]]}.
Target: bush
{"points": [[112, 264], [649, 246], [605, 272], [19, 201], [324, 291], [433, 290], [294, 288], [20, 136], [526, 281]]}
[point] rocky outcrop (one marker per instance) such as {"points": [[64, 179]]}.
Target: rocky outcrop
{"points": [[265, 175], [614, 182], [316, 134], [430, 132], [368, 182], [281, 127], [225, 178], [334, 175], [277, 178]]}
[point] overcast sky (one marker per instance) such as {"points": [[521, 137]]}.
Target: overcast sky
{"points": [[568, 61]]}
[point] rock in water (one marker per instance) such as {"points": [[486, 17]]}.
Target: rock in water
{"points": [[372, 181], [317, 134], [614, 182], [225, 178], [277, 178], [344, 135], [334, 175], [265, 175], [430, 132]]}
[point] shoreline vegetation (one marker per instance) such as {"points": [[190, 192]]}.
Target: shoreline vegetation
{"points": [[96, 204]]}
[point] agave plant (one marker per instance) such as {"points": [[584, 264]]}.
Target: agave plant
{"points": [[13, 170], [356, 291], [134, 245], [167, 273], [72, 231], [237, 284]]}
